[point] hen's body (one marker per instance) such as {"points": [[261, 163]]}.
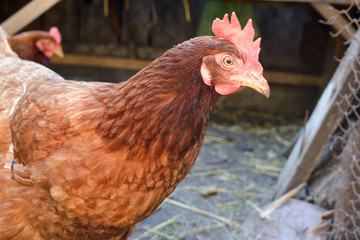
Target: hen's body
{"points": [[15, 75], [103, 156], [93, 159]]}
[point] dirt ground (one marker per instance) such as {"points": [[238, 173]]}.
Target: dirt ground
{"points": [[235, 174]]}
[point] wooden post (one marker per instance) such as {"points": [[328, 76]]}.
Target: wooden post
{"points": [[321, 125], [26, 15]]}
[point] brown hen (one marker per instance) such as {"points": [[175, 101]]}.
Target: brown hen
{"points": [[37, 46], [93, 159]]}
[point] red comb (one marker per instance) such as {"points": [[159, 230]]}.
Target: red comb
{"points": [[55, 33], [242, 39]]}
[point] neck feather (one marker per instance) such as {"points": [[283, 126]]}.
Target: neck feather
{"points": [[164, 107]]}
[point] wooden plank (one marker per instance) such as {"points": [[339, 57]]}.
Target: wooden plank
{"points": [[293, 79], [96, 61], [136, 64], [328, 12], [321, 125], [26, 15]]}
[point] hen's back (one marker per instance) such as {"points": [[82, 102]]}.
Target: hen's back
{"points": [[5, 49], [15, 74]]}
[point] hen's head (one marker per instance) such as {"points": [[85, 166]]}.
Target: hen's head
{"points": [[231, 72], [51, 44]]}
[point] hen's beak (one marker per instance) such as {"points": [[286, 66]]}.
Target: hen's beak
{"points": [[259, 84], [59, 52]]}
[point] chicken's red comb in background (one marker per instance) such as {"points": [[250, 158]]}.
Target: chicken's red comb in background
{"points": [[242, 39], [55, 33]]}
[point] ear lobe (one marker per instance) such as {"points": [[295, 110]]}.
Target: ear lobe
{"points": [[41, 46], [205, 74], [48, 53]]}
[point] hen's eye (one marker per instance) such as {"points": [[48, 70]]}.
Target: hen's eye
{"points": [[228, 61]]}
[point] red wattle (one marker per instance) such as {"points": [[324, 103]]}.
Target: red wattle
{"points": [[226, 88]]}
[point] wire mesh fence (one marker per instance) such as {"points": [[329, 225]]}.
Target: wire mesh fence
{"points": [[346, 223]]}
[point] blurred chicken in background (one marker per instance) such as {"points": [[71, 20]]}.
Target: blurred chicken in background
{"points": [[37, 46]]}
